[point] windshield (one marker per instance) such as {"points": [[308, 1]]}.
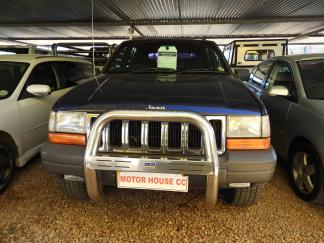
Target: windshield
{"points": [[312, 74], [167, 57], [10, 75]]}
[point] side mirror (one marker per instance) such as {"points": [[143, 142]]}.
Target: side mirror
{"points": [[279, 90], [243, 74], [39, 90]]}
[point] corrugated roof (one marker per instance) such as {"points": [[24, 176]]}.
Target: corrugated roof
{"points": [[156, 18]]}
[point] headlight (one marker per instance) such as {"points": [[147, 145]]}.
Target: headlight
{"points": [[266, 132], [248, 126], [69, 122]]}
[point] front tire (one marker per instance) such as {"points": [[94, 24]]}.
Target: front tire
{"points": [[75, 190], [306, 173], [245, 196], [7, 165]]}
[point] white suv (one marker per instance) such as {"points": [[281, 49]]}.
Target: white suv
{"points": [[29, 86]]}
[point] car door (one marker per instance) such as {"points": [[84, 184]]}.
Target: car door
{"points": [[35, 110], [278, 106]]}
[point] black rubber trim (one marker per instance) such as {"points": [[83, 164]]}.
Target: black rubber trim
{"points": [[63, 159], [235, 166]]}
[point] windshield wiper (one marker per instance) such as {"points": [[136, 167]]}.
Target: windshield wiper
{"points": [[154, 70], [201, 70]]}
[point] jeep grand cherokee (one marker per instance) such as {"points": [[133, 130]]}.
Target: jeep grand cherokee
{"points": [[163, 115]]}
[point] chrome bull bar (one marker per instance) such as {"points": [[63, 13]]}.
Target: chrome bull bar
{"points": [[209, 166]]}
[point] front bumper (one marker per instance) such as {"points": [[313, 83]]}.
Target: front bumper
{"points": [[255, 167]]}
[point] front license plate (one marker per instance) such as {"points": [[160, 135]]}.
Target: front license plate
{"points": [[152, 181]]}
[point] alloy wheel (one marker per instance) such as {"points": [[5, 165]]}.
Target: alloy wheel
{"points": [[304, 172]]}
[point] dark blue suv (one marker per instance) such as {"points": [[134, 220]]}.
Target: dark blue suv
{"points": [[165, 114]]}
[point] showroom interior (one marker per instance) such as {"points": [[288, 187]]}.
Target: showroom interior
{"points": [[162, 121]]}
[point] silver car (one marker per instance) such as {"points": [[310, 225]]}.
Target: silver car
{"points": [[292, 88], [29, 86]]}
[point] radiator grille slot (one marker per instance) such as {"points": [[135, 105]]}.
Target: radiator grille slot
{"points": [[134, 134], [115, 133], [154, 134], [194, 137], [217, 126], [174, 135]]}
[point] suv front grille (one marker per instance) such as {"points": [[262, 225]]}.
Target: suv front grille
{"points": [[115, 133], [134, 138], [154, 137], [174, 135], [159, 137], [217, 126], [194, 137]]}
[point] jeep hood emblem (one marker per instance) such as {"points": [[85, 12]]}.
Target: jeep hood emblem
{"points": [[160, 108]]}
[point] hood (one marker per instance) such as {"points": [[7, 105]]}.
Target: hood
{"points": [[201, 93], [319, 103], [5, 101]]}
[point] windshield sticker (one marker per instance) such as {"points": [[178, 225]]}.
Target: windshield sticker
{"points": [[181, 55], [3, 93], [167, 57]]}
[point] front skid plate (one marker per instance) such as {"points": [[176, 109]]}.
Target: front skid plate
{"points": [[187, 167]]}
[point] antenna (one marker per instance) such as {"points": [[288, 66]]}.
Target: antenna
{"points": [[93, 45]]}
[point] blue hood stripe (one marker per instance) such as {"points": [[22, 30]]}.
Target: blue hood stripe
{"points": [[210, 110]]}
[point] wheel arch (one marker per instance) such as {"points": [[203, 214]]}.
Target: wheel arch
{"points": [[7, 138], [299, 140]]}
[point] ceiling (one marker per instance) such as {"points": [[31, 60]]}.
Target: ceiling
{"points": [[225, 20]]}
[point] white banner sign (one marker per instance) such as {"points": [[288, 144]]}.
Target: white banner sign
{"points": [[152, 181]]}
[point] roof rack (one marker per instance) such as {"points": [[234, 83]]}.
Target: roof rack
{"points": [[21, 49], [84, 50]]}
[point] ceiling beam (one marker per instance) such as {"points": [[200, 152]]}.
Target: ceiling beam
{"points": [[13, 41], [137, 30], [185, 37], [313, 32], [166, 22], [123, 17]]}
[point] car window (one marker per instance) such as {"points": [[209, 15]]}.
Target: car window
{"points": [[43, 74], [252, 73], [282, 75], [227, 53], [312, 73], [258, 75], [73, 73], [119, 58], [10, 75], [258, 55], [173, 56]]}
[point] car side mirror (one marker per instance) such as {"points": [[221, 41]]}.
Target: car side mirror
{"points": [[39, 90], [279, 90], [243, 74]]}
